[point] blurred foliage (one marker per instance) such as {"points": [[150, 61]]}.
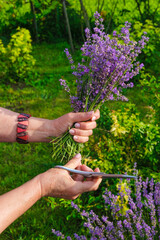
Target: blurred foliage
{"points": [[151, 52], [46, 22], [129, 140], [50, 18], [152, 84], [16, 61]]}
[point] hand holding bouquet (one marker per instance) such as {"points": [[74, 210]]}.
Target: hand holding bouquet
{"points": [[107, 66]]}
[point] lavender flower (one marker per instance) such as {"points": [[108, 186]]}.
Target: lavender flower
{"points": [[58, 233], [141, 220], [107, 66], [75, 206], [63, 83]]}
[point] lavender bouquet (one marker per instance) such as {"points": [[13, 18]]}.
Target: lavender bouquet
{"points": [[107, 66], [131, 215]]}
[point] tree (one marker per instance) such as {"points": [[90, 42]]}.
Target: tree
{"points": [[111, 17], [34, 20], [100, 6], [85, 15], [145, 11], [68, 25]]}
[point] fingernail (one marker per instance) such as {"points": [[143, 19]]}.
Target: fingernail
{"points": [[77, 125], [93, 118], [90, 113], [75, 137], [77, 155], [71, 131]]}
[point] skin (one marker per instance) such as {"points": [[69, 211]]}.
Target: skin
{"points": [[40, 130], [54, 182]]}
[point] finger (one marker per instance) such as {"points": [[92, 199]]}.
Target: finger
{"points": [[85, 125], [96, 170], [80, 139], [87, 169], [78, 177], [95, 178], [74, 197], [96, 115], [79, 132], [80, 116], [87, 186], [74, 162]]}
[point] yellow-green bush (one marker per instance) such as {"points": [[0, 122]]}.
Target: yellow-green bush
{"points": [[2, 60], [16, 61], [128, 141]]}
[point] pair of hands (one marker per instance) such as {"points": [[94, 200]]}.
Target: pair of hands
{"points": [[58, 182], [54, 182]]}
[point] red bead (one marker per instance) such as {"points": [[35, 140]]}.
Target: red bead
{"points": [[19, 130], [25, 123], [22, 135]]}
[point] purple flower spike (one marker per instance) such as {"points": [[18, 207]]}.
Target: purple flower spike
{"points": [[64, 84], [107, 66], [140, 221]]}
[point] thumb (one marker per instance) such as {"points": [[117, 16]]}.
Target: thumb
{"points": [[74, 162], [82, 116]]}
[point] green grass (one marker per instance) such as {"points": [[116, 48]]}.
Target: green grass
{"points": [[20, 163], [52, 56]]}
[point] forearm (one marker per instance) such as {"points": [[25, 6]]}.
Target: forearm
{"points": [[14, 203], [39, 130]]}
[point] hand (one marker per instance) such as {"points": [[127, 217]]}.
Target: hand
{"points": [[59, 183], [84, 123]]}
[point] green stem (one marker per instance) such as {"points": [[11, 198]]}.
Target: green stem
{"points": [[100, 103], [99, 94], [58, 139]]}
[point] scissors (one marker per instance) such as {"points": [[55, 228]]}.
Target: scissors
{"points": [[95, 174]]}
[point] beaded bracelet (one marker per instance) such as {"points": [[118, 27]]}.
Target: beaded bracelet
{"points": [[22, 135]]}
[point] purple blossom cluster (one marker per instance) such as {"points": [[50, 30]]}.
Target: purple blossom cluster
{"points": [[141, 219], [64, 84], [107, 66]]}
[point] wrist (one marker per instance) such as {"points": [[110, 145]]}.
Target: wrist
{"points": [[38, 180], [36, 186], [46, 183], [39, 130]]}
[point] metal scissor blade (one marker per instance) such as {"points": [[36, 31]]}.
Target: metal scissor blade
{"points": [[95, 174]]}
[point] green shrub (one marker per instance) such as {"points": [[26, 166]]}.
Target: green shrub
{"points": [[151, 55], [152, 84], [105, 121], [120, 140], [16, 60], [114, 149], [3, 67], [129, 140]]}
